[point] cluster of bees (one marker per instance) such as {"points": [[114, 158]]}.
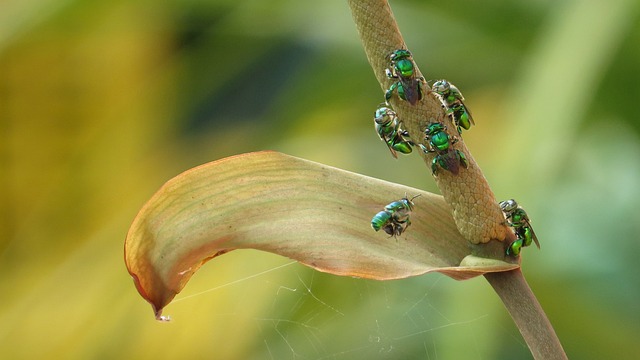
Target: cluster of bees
{"points": [[408, 86]]}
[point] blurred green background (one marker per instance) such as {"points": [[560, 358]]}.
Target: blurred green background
{"points": [[101, 102]]}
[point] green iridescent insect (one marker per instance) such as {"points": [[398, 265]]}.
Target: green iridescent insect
{"points": [[452, 100], [518, 219], [441, 143], [389, 131], [409, 86], [395, 218]]}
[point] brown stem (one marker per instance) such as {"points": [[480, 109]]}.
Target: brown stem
{"points": [[527, 313], [475, 209]]}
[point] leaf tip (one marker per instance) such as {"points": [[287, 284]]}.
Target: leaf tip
{"points": [[161, 318], [158, 297]]}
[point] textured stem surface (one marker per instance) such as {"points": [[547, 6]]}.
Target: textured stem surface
{"points": [[475, 209]]}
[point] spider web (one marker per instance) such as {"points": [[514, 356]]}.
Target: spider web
{"points": [[300, 313]]}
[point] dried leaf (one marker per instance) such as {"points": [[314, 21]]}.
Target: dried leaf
{"points": [[313, 213]]}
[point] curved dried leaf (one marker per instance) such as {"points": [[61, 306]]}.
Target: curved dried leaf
{"points": [[313, 213]]}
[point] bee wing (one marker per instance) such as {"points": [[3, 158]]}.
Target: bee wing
{"points": [[412, 92], [469, 112], [385, 139], [451, 161], [393, 152], [533, 233]]}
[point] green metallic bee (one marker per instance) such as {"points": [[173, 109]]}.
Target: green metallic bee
{"points": [[389, 131], [441, 143], [395, 218], [518, 219], [452, 100], [408, 86]]}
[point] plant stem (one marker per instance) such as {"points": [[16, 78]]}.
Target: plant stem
{"points": [[527, 313], [475, 209], [474, 206]]}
